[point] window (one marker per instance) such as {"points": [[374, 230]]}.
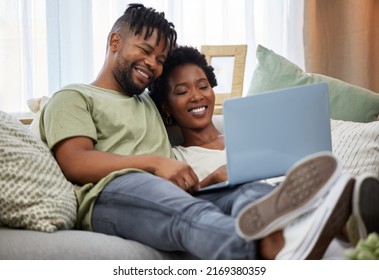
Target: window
{"points": [[23, 53], [46, 44]]}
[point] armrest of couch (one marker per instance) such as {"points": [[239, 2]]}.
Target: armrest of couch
{"points": [[25, 118], [20, 244]]}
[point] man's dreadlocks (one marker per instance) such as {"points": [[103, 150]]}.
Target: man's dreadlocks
{"points": [[137, 17]]}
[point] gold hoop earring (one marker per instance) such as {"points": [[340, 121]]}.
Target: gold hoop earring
{"points": [[168, 119]]}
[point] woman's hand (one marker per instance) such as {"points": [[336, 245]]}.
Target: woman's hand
{"points": [[217, 176]]}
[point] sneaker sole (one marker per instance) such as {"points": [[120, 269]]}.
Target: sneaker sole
{"points": [[309, 180], [336, 221], [365, 205]]}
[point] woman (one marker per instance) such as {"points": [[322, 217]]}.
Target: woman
{"points": [[184, 95], [190, 105]]}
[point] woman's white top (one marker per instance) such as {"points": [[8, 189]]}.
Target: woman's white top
{"points": [[203, 161]]}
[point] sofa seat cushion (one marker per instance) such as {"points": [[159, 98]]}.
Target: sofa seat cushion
{"points": [[74, 245]]}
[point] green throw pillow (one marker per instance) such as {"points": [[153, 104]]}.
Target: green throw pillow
{"points": [[347, 102]]}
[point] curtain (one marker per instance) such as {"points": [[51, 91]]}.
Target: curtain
{"points": [[197, 22], [278, 25], [341, 40], [47, 44], [275, 24], [23, 53]]}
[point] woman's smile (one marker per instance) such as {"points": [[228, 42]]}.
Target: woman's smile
{"points": [[198, 110]]}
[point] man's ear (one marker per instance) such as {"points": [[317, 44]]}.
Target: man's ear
{"points": [[114, 41]]}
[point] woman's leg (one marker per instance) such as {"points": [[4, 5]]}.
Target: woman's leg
{"points": [[153, 211], [232, 200]]}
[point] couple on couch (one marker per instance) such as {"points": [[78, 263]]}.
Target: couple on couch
{"points": [[109, 139]]}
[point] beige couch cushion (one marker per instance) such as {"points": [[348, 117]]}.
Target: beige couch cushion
{"points": [[357, 146], [34, 193]]}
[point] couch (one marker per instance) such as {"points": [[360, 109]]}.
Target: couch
{"points": [[37, 222], [38, 207]]}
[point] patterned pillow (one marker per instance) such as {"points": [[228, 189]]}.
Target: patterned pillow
{"points": [[34, 193], [357, 146]]}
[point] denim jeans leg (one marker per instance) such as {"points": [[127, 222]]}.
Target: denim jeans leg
{"points": [[155, 212], [232, 200]]}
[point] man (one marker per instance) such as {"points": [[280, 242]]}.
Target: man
{"points": [[110, 141]]}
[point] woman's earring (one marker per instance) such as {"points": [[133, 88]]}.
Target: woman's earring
{"points": [[168, 119]]}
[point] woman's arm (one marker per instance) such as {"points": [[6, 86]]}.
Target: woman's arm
{"points": [[217, 176]]}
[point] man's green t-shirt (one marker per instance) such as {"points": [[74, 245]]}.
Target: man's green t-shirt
{"points": [[116, 123]]}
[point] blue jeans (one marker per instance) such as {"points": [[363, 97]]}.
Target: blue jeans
{"points": [[155, 212]]}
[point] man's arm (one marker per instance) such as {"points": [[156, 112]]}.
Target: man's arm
{"points": [[82, 164]]}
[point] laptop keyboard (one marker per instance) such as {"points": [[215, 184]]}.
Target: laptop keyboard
{"points": [[275, 181]]}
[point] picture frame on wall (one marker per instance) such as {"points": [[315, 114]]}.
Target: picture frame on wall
{"points": [[228, 62]]}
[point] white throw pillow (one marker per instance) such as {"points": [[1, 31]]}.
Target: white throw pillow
{"points": [[34, 194], [357, 146], [36, 105]]}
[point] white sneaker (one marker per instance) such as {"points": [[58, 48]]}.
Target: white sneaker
{"points": [[305, 183], [309, 236]]}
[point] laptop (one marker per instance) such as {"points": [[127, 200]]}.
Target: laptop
{"points": [[265, 134]]}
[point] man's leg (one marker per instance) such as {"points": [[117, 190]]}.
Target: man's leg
{"points": [[155, 212]]}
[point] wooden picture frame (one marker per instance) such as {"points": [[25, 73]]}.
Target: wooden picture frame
{"points": [[229, 70]]}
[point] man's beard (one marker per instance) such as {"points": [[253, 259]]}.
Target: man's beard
{"points": [[122, 73]]}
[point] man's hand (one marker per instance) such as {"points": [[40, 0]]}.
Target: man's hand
{"points": [[179, 173]]}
